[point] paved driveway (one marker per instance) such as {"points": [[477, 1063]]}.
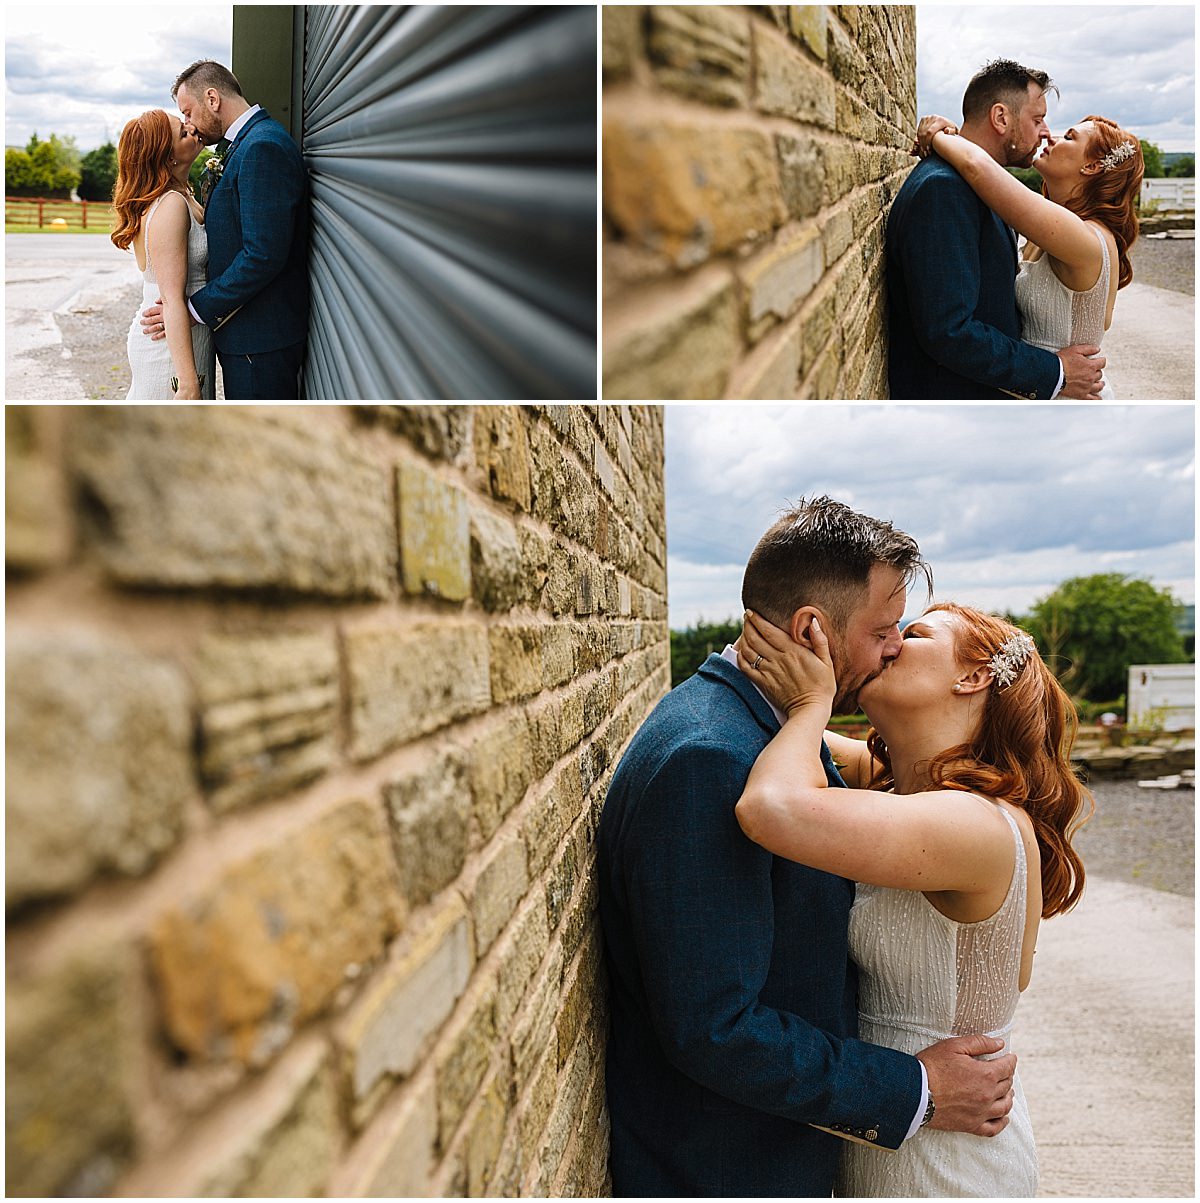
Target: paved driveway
{"points": [[68, 302]]}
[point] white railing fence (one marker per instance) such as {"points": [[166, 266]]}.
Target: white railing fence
{"points": [[1170, 193]]}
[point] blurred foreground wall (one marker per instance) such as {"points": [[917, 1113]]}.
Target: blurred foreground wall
{"points": [[751, 153], [310, 715]]}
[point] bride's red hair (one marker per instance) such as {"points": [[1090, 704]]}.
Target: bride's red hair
{"points": [[1021, 753], [143, 171], [1110, 197]]}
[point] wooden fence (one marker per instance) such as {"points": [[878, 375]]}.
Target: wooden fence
{"points": [[57, 214], [1173, 193]]}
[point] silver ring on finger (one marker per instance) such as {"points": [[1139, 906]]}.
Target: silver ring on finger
{"points": [[757, 662]]}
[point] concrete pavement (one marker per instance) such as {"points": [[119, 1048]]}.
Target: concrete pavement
{"points": [[1151, 346], [1105, 1041]]}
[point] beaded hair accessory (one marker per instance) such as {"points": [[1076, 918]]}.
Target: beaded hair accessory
{"points": [[1118, 155], [1010, 659]]}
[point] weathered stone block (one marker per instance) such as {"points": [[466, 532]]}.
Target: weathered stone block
{"points": [[779, 279], [407, 682], [801, 174], [439, 431], [620, 39], [499, 888], [268, 708], [485, 1138], [565, 1114], [395, 1158], [500, 772], [837, 234], [68, 1122], [545, 735], [701, 51], [689, 191], [435, 550], [498, 572], [677, 351], [515, 657], [287, 1145], [539, 1103], [430, 810], [502, 451], [387, 1029], [816, 329], [460, 1067], [227, 498], [524, 946], [770, 373], [244, 961], [808, 23], [533, 1032], [37, 517], [789, 85], [98, 740]]}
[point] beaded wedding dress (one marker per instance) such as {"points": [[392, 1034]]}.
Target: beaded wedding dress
{"points": [[1053, 316], [150, 359], [924, 977]]}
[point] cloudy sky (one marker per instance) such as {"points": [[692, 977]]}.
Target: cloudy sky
{"points": [[86, 70], [1005, 501], [1132, 63]]}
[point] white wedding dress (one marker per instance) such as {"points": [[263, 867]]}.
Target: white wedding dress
{"points": [[1053, 316], [922, 978], [150, 359]]}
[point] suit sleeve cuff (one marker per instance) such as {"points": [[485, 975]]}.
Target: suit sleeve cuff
{"points": [[920, 1115]]}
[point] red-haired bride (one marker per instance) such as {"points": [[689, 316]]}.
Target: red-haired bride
{"points": [[162, 223], [957, 827]]}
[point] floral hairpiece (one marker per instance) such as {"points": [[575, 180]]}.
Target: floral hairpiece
{"points": [[1118, 155], [1010, 659]]}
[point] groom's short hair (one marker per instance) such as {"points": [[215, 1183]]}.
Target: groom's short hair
{"points": [[820, 553], [1002, 81], [204, 74]]}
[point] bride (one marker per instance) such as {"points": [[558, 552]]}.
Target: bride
{"points": [[957, 827], [1083, 224], [160, 220]]}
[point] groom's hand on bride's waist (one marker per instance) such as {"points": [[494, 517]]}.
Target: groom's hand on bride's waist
{"points": [[1083, 372], [152, 320], [969, 1095]]}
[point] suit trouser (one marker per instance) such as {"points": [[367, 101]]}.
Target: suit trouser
{"points": [[264, 375]]}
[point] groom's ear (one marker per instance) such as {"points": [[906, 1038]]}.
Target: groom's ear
{"points": [[800, 626]]}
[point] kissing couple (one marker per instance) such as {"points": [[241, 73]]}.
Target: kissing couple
{"points": [[966, 318], [815, 944], [223, 276]]}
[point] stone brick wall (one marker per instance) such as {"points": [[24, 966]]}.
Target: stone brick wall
{"points": [[750, 156], [310, 715]]}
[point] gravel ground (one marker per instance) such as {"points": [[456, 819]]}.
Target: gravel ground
{"points": [[1165, 263], [1145, 837], [95, 340]]}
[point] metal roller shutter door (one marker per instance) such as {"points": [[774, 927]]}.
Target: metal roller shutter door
{"points": [[452, 157]]}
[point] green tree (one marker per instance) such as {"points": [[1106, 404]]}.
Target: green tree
{"points": [[692, 646], [1029, 176], [1092, 628], [1152, 157], [48, 168], [1184, 168], [98, 173], [197, 169]]}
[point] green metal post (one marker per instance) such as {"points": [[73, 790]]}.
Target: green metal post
{"points": [[265, 37]]}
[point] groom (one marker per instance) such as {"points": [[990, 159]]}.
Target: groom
{"points": [[256, 216], [953, 328], [732, 1064]]}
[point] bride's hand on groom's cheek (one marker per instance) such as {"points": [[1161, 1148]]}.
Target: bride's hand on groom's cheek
{"points": [[791, 674]]}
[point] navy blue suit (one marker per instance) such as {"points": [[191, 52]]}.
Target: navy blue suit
{"points": [[953, 328], [732, 995], [256, 298]]}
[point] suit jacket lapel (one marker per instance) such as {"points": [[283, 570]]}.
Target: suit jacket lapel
{"points": [[261, 115]]}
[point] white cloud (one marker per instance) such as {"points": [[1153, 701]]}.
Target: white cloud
{"points": [[1132, 63], [1006, 501], [82, 72]]}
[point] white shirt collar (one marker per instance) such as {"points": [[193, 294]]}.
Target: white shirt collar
{"points": [[730, 654], [236, 128]]}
